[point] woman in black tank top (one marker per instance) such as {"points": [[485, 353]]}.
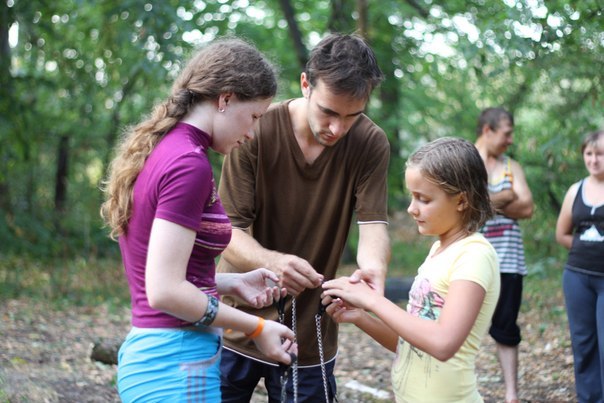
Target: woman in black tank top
{"points": [[580, 229]]}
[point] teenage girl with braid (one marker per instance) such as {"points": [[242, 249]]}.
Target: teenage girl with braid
{"points": [[161, 203], [453, 296]]}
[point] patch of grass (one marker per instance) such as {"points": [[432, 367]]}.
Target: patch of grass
{"points": [[3, 394], [77, 281], [90, 282], [543, 287], [542, 292]]}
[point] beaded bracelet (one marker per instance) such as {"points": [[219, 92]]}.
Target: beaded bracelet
{"points": [[258, 329], [211, 312]]}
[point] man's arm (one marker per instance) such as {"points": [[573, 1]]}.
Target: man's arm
{"points": [[373, 255], [522, 206], [295, 273], [502, 199]]}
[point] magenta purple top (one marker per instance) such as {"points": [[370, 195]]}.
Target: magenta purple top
{"points": [[176, 184]]}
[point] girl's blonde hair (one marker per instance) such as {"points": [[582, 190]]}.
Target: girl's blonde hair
{"points": [[455, 166], [227, 65]]}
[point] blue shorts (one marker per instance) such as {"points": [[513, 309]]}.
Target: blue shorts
{"points": [[175, 365], [240, 375], [504, 327]]}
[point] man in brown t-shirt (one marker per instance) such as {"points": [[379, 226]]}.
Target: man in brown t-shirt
{"points": [[291, 194]]}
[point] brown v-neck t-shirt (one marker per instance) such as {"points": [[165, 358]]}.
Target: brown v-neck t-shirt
{"points": [[303, 209]]}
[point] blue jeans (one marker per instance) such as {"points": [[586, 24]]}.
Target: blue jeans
{"points": [[239, 376], [584, 297]]}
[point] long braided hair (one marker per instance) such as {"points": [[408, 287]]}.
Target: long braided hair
{"points": [[226, 65]]}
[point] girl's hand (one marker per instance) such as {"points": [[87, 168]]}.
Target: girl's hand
{"points": [[358, 293], [276, 341], [255, 290], [341, 312]]}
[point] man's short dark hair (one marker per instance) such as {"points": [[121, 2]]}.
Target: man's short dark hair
{"points": [[346, 65], [492, 117]]}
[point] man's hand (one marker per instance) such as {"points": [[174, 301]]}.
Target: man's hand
{"points": [[295, 274], [374, 279], [502, 199]]}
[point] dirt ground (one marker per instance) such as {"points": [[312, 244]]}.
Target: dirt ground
{"points": [[44, 357]]}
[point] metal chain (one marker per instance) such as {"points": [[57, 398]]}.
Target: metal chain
{"points": [[321, 357], [285, 368], [283, 383], [281, 317], [295, 365]]}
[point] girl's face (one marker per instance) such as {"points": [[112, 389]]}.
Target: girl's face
{"points": [[593, 156], [436, 213], [233, 126]]}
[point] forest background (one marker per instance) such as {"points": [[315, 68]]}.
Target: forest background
{"points": [[74, 74]]}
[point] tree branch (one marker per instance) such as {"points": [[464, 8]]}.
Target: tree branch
{"points": [[424, 13], [294, 30]]}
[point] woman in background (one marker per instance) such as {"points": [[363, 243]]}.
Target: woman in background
{"points": [[580, 228]]}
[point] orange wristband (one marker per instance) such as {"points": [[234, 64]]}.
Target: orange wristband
{"points": [[258, 329]]}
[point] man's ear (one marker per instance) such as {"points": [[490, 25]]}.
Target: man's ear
{"points": [[305, 85]]}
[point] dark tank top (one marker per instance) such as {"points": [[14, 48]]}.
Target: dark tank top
{"points": [[587, 251]]}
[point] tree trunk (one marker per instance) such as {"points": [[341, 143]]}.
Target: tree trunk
{"points": [[5, 105], [294, 30], [338, 18], [363, 22], [61, 175]]}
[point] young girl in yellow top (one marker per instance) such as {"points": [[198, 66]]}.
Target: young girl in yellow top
{"points": [[454, 294]]}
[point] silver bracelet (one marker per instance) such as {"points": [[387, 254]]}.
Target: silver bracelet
{"points": [[210, 314]]}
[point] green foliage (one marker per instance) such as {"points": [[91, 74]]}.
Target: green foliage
{"points": [[63, 282], [543, 291], [408, 256], [3, 395], [82, 71]]}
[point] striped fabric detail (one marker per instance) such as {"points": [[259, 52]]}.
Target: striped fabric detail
{"points": [[506, 237], [504, 233]]}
